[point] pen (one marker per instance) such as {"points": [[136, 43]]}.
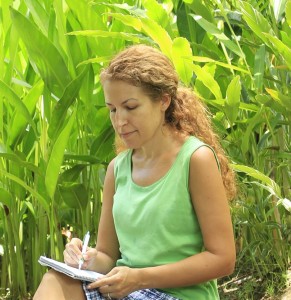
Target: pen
{"points": [[84, 248]]}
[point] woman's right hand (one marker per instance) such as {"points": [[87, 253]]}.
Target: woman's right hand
{"points": [[73, 254]]}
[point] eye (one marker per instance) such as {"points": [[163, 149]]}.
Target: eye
{"points": [[131, 107], [112, 110]]}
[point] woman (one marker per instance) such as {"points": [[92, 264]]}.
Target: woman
{"points": [[165, 230]]}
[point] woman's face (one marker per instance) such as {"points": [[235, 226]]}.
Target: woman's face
{"points": [[135, 117]]}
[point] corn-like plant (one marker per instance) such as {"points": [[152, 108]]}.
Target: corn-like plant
{"points": [[56, 139]]}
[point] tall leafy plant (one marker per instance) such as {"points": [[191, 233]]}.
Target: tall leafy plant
{"points": [[56, 138]]}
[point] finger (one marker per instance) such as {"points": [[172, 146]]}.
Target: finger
{"points": [[72, 253], [102, 283]]}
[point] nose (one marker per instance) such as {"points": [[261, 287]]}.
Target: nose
{"points": [[120, 118]]}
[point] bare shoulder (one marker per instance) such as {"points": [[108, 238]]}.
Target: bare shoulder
{"points": [[109, 182], [203, 157]]}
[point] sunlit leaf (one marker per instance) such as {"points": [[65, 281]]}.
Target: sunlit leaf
{"points": [[288, 13], [156, 12], [46, 59], [232, 100], [271, 184], [61, 108], [127, 20], [281, 48], [158, 34], [19, 122], [213, 30], [181, 52], [259, 67], [11, 97], [56, 157], [282, 99], [208, 80], [256, 21]]}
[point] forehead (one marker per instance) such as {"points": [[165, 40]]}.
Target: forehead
{"points": [[117, 90]]}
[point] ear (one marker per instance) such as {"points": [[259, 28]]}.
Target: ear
{"points": [[165, 102]]}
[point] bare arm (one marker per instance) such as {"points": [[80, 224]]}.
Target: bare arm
{"points": [[211, 206], [103, 258], [218, 258]]}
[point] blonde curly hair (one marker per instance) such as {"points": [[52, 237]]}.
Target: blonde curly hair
{"points": [[148, 68]]}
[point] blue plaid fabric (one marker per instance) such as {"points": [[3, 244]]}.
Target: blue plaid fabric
{"points": [[147, 294]]}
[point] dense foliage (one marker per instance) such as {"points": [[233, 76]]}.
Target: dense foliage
{"points": [[56, 139]]}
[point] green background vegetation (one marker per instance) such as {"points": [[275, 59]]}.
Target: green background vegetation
{"points": [[56, 139]]}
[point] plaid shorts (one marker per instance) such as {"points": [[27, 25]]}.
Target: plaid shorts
{"points": [[147, 294]]}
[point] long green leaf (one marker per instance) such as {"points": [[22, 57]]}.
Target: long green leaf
{"points": [[101, 33], [56, 157], [213, 30], [74, 195], [232, 100], [259, 67], [181, 52], [19, 122], [208, 80], [158, 34], [11, 97], [279, 46], [40, 15], [61, 108], [44, 55], [256, 21], [156, 12], [274, 187], [288, 13], [32, 191]]}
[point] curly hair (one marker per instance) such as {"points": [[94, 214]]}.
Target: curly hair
{"points": [[146, 67]]}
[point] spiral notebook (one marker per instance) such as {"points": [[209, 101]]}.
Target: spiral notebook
{"points": [[75, 273]]}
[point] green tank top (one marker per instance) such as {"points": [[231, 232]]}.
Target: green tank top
{"points": [[157, 224]]}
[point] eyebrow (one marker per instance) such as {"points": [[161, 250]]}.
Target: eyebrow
{"points": [[123, 102]]}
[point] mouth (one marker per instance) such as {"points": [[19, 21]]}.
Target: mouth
{"points": [[126, 134]]}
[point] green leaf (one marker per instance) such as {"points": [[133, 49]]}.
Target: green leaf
{"points": [[203, 59], [279, 97], [74, 195], [18, 160], [259, 67], [158, 34], [127, 20], [279, 46], [288, 12], [256, 21], [213, 30], [208, 80], [11, 96], [101, 33], [56, 157], [46, 59], [272, 185], [5, 197], [181, 52], [19, 122], [72, 174], [279, 8], [102, 147], [85, 158], [232, 100], [156, 12], [32, 191], [252, 122], [40, 15], [61, 108]]}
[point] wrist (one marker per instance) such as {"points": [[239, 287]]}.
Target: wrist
{"points": [[143, 278]]}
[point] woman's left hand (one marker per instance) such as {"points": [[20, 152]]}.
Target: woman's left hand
{"points": [[118, 283]]}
